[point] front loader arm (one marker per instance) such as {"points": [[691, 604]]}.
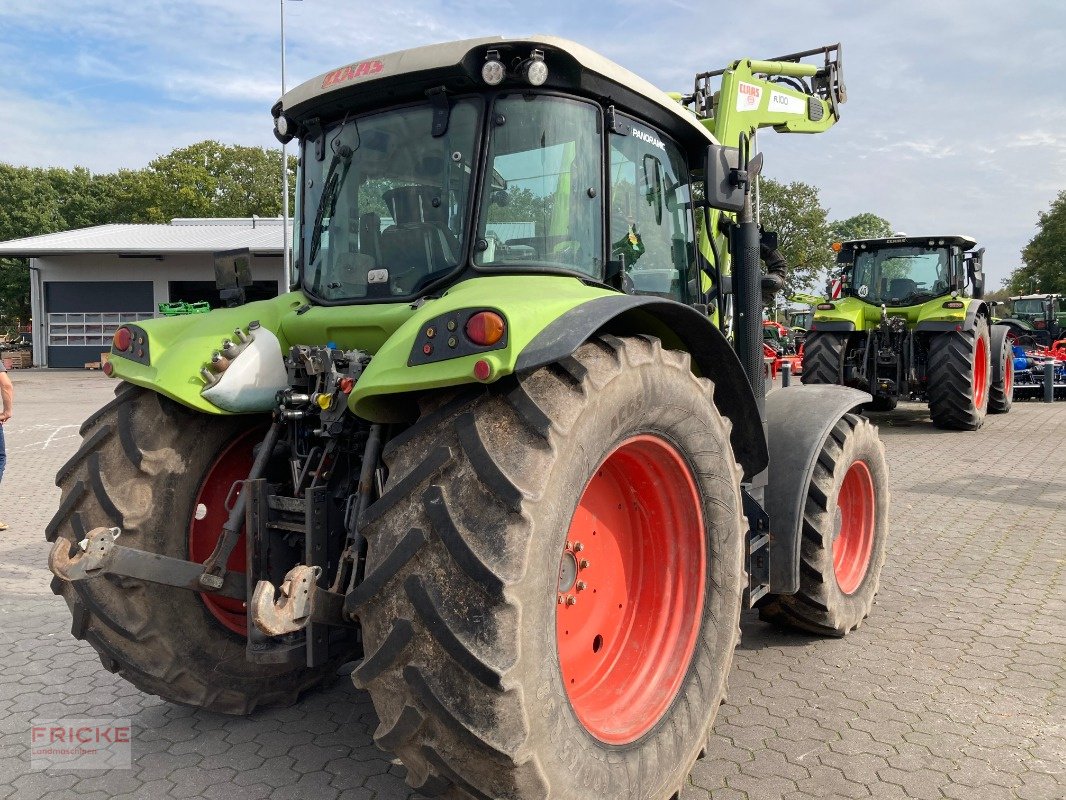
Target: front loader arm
{"points": [[785, 93]]}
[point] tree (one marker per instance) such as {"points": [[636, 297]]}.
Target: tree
{"points": [[207, 179], [211, 179], [795, 212], [861, 226], [1044, 258]]}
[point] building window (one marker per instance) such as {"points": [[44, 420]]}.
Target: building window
{"points": [[89, 329]]}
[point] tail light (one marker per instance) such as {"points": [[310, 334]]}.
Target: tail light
{"points": [[485, 328], [123, 339]]}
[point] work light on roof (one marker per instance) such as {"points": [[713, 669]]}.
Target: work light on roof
{"points": [[534, 70], [493, 71], [284, 130]]}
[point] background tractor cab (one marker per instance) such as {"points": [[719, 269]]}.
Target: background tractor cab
{"points": [[1036, 319], [908, 271]]}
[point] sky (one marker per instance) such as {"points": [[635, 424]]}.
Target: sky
{"points": [[955, 120]]}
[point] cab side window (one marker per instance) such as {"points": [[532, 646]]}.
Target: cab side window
{"points": [[651, 236]]}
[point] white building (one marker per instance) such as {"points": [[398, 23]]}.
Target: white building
{"points": [[85, 283]]}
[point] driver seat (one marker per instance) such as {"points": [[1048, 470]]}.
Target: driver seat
{"points": [[901, 287]]}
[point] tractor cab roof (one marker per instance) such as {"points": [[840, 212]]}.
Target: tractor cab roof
{"points": [[407, 75], [964, 242], [1054, 296]]}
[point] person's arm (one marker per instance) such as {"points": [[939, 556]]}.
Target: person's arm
{"points": [[7, 392]]}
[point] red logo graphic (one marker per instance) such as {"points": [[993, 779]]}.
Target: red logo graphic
{"points": [[351, 72]]}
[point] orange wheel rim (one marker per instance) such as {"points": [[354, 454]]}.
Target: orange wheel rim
{"points": [[854, 543], [980, 373], [630, 595], [209, 514]]}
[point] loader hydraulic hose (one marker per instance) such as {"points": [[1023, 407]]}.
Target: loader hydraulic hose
{"points": [[773, 282]]}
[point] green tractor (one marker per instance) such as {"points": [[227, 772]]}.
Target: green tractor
{"points": [[493, 446], [1036, 319], [910, 323]]}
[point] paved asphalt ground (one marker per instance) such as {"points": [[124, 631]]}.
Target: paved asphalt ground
{"points": [[954, 687]]}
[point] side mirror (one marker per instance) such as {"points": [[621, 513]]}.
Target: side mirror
{"points": [[976, 271], [721, 191]]}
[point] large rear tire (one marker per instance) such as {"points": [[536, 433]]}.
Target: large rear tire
{"points": [[144, 463], [1001, 389], [845, 530], [823, 358], [530, 638], [959, 377]]}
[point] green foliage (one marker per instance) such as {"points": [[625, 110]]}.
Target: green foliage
{"points": [[861, 226], [207, 179], [522, 205], [796, 213], [1044, 267]]}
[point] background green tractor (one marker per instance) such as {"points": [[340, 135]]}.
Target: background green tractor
{"points": [[910, 324], [1035, 319], [493, 445]]}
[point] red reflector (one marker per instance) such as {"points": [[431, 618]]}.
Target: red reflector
{"points": [[826, 306], [108, 368], [954, 304], [123, 339], [485, 328], [346, 385], [482, 370]]}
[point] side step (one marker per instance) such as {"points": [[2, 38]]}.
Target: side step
{"points": [[757, 553]]}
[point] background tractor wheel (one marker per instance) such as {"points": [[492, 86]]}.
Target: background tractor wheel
{"points": [[1001, 389], [845, 529], [161, 472], [880, 403], [553, 583], [823, 358], [959, 376]]}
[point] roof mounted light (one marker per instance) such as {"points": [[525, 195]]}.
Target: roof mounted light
{"points": [[284, 129], [533, 70], [492, 71]]}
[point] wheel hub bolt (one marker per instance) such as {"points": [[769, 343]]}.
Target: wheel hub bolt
{"points": [[571, 601], [582, 586], [584, 563], [578, 547]]}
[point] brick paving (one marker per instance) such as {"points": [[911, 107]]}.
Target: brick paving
{"points": [[954, 688]]}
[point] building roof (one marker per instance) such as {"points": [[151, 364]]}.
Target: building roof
{"points": [[260, 236]]}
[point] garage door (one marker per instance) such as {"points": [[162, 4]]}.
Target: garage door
{"points": [[83, 316]]}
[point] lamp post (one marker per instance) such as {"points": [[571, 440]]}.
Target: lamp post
{"points": [[286, 267]]}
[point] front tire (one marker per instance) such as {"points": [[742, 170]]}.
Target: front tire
{"points": [[141, 468], [484, 650], [959, 376], [845, 530], [1001, 389]]}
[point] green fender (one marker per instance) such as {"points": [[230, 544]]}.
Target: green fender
{"points": [[547, 318], [177, 348], [852, 314]]}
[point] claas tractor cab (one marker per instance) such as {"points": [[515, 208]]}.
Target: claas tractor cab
{"points": [[909, 323], [494, 446], [1036, 319]]}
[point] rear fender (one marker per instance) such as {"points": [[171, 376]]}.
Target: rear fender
{"points": [[934, 318], [847, 314], [799, 419], [679, 327]]}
